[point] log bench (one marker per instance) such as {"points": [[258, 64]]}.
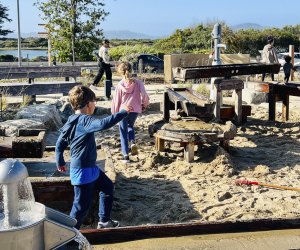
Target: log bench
{"points": [[33, 72], [33, 88]]}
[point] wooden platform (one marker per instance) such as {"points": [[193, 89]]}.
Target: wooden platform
{"points": [[191, 133]]}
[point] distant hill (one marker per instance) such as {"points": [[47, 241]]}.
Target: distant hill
{"points": [[126, 34], [109, 34], [246, 26]]}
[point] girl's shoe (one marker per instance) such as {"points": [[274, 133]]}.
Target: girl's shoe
{"points": [[134, 149], [126, 159]]}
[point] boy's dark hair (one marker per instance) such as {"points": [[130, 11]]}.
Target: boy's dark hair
{"points": [[287, 59], [81, 96]]}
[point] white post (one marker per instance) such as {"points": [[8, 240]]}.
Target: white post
{"points": [[19, 37]]}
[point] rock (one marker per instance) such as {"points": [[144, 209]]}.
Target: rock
{"points": [[46, 113], [224, 196]]}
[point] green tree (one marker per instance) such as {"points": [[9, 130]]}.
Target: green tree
{"points": [[3, 18], [73, 26]]}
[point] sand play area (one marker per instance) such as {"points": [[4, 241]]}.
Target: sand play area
{"points": [[160, 187]]}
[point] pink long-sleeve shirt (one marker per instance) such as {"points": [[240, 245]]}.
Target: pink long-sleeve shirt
{"points": [[133, 94]]}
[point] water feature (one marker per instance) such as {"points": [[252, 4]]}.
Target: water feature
{"points": [[24, 223], [30, 53]]}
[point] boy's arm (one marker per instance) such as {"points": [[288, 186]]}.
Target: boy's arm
{"points": [[105, 123], [61, 145]]}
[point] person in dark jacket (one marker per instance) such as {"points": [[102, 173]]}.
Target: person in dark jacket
{"points": [[85, 175], [287, 67]]}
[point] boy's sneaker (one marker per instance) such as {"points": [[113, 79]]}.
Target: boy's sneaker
{"points": [[126, 159], [108, 224], [134, 149]]}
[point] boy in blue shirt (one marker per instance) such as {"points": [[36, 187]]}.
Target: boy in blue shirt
{"points": [[78, 132]]}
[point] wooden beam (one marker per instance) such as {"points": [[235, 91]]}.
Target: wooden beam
{"points": [[123, 234], [42, 88]]}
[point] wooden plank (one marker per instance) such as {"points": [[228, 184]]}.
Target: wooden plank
{"points": [[226, 70], [42, 88], [121, 234]]}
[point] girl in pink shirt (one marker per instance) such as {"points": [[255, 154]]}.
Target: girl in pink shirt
{"points": [[129, 91]]}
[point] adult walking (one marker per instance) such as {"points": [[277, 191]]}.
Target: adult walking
{"points": [[269, 55], [104, 65]]}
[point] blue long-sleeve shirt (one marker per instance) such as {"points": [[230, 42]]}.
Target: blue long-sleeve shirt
{"points": [[78, 132]]}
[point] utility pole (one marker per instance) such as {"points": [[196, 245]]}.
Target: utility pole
{"points": [[19, 36]]}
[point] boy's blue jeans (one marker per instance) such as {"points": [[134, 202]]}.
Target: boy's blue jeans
{"points": [[83, 197], [127, 131]]}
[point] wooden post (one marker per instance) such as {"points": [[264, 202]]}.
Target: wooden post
{"points": [[292, 54], [272, 103], [285, 107], [159, 144], [238, 105], [189, 151], [166, 107], [217, 111]]}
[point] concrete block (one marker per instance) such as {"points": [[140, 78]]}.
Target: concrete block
{"points": [[29, 144]]}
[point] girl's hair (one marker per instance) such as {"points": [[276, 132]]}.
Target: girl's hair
{"points": [[81, 96], [125, 69]]}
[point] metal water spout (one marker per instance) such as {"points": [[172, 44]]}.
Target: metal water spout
{"points": [[11, 173], [216, 36], [24, 223]]}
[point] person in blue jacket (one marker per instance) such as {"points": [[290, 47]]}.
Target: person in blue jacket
{"points": [[85, 175]]}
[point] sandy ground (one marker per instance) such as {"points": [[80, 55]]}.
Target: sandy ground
{"points": [[160, 187]]}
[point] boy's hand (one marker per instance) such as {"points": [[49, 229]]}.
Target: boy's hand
{"points": [[62, 168], [128, 108]]}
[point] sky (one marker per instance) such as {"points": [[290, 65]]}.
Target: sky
{"points": [[163, 17]]}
